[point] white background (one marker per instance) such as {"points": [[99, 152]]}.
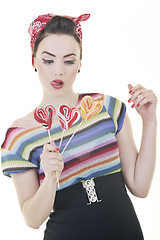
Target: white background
{"points": [[121, 45]]}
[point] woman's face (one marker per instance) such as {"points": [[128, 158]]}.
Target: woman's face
{"points": [[57, 62]]}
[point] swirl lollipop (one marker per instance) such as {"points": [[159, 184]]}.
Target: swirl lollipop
{"points": [[45, 116], [89, 108], [67, 117]]}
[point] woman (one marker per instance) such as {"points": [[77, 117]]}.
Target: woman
{"points": [[92, 202]]}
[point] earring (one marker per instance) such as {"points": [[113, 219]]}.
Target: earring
{"points": [[35, 69], [79, 71]]}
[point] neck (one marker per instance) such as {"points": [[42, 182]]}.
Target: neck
{"points": [[70, 98]]}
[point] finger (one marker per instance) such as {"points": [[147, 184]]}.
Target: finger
{"points": [[53, 168], [52, 162], [150, 99], [51, 155], [137, 94], [50, 148], [146, 94], [59, 156], [130, 86], [140, 94], [135, 88]]}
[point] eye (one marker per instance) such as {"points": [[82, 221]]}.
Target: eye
{"points": [[47, 61], [70, 61]]}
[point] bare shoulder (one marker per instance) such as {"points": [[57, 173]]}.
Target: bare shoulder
{"points": [[27, 121]]}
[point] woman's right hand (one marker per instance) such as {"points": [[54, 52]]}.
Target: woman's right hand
{"points": [[51, 160]]}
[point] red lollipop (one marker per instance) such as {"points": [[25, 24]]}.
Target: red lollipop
{"points": [[45, 115], [68, 116]]}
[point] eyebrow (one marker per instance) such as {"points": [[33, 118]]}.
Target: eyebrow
{"points": [[51, 54]]}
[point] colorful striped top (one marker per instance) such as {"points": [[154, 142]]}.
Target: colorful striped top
{"points": [[92, 152]]}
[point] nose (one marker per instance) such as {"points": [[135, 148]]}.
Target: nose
{"points": [[58, 69]]}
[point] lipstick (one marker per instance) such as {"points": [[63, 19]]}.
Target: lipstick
{"points": [[57, 84]]}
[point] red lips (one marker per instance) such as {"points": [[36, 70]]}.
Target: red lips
{"points": [[57, 84]]}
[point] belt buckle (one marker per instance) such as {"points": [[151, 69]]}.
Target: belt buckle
{"points": [[89, 185]]}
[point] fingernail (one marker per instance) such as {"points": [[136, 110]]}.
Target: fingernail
{"points": [[129, 100], [133, 106], [130, 91], [138, 104]]}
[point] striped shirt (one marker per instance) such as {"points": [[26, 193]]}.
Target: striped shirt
{"points": [[92, 152]]}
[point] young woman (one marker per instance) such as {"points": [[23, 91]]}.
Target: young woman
{"points": [[92, 202]]}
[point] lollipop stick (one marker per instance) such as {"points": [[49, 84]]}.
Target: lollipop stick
{"points": [[71, 137], [49, 136], [61, 140], [56, 172], [57, 180]]}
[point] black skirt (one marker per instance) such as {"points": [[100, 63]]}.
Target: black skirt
{"points": [[77, 217]]}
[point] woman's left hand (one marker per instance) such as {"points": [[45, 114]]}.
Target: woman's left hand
{"points": [[144, 101]]}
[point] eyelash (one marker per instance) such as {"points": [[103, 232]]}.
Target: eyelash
{"points": [[70, 62], [47, 61], [51, 61]]}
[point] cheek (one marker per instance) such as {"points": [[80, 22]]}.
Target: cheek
{"points": [[74, 70], [42, 70], [43, 75], [72, 74], [40, 66]]}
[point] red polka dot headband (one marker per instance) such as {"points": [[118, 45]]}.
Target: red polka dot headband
{"points": [[39, 24]]}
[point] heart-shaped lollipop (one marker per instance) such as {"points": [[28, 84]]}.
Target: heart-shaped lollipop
{"points": [[68, 116], [45, 115], [90, 107]]}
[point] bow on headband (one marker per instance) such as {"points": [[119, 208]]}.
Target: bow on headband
{"points": [[39, 24]]}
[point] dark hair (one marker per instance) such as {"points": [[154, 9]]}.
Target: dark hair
{"points": [[58, 25]]}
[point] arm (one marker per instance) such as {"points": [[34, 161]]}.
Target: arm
{"points": [[36, 202], [138, 167]]}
